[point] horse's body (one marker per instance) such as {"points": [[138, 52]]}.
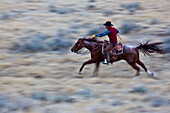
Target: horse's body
{"points": [[130, 54]]}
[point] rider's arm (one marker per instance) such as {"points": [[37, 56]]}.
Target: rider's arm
{"points": [[117, 30], [103, 34]]}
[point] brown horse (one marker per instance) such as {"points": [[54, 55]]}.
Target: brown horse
{"points": [[130, 54]]}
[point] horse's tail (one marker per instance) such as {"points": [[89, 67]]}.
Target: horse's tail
{"points": [[147, 48]]}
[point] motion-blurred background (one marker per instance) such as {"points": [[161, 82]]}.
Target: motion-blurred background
{"points": [[39, 74]]}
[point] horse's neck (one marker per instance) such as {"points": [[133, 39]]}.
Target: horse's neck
{"points": [[90, 45]]}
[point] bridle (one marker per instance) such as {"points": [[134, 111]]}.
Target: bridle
{"points": [[81, 50]]}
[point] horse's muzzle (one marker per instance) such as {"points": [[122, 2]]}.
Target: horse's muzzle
{"points": [[72, 50]]}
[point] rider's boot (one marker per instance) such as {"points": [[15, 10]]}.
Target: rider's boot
{"points": [[105, 60]]}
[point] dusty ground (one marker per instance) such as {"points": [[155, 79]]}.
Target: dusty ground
{"points": [[48, 81]]}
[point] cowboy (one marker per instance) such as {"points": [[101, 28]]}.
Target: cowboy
{"points": [[112, 34]]}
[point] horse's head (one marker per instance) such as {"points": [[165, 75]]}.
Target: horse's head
{"points": [[77, 46]]}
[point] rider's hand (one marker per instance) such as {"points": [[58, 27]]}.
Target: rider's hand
{"points": [[94, 36]]}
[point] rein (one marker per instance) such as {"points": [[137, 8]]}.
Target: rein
{"points": [[80, 51], [91, 40], [119, 36], [96, 48]]}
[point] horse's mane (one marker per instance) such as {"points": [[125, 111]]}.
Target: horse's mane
{"points": [[92, 40]]}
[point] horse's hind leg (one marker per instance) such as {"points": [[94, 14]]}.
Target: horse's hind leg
{"points": [[150, 74], [133, 64], [142, 65]]}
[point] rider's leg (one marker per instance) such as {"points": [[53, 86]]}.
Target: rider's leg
{"points": [[108, 48], [106, 55], [112, 45]]}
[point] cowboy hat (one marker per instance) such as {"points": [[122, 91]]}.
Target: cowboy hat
{"points": [[108, 23]]}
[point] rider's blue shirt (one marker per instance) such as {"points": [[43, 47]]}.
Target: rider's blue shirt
{"points": [[105, 33]]}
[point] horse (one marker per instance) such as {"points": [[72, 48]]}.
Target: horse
{"points": [[130, 54]]}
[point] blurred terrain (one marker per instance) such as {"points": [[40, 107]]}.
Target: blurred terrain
{"points": [[39, 74]]}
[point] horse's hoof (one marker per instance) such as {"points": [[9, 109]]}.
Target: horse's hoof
{"points": [[150, 74], [153, 75], [80, 73]]}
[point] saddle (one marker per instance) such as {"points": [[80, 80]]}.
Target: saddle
{"points": [[117, 50]]}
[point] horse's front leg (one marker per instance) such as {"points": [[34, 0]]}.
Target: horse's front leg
{"points": [[95, 73], [85, 63]]}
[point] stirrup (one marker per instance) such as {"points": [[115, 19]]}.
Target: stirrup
{"points": [[105, 62]]}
